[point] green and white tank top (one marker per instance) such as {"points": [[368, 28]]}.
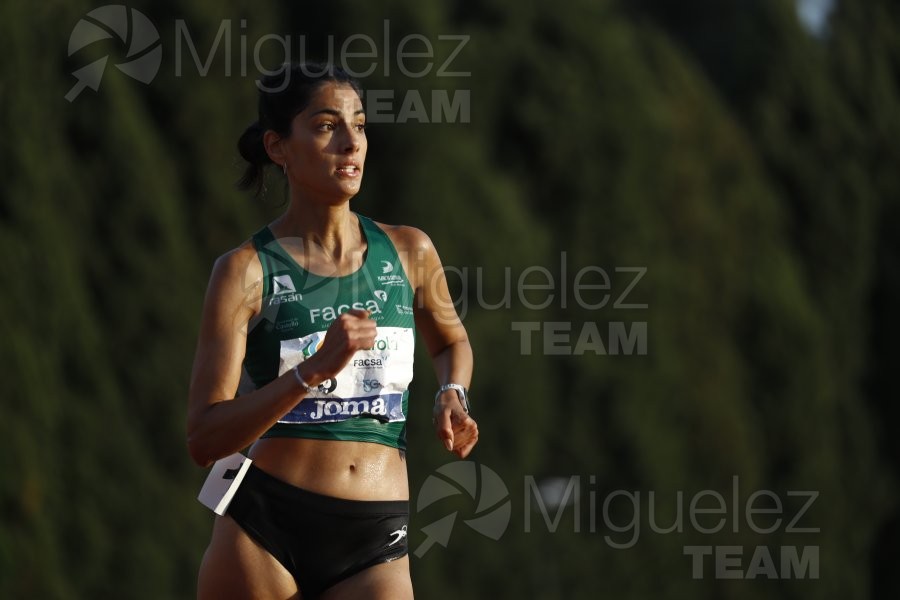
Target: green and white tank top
{"points": [[368, 400]]}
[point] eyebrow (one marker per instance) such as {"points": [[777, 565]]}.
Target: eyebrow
{"points": [[336, 113]]}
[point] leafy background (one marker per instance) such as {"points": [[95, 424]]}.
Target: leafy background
{"points": [[748, 163]]}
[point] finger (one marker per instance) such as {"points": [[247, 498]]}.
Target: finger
{"points": [[466, 437], [464, 450], [358, 326], [445, 430], [363, 336], [358, 313], [447, 437], [462, 421], [362, 333]]}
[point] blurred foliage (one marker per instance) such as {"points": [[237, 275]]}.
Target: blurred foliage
{"points": [[744, 166]]}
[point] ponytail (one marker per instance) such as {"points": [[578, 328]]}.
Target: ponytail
{"points": [[253, 150]]}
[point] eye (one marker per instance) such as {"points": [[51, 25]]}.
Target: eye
{"points": [[326, 126], [360, 126]]}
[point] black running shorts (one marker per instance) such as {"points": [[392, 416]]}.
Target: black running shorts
{"points": [[320, 540]]}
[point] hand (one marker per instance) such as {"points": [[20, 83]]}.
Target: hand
{"points": [[351, 331], [454, 427]]}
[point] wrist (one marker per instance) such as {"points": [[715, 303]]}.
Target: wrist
{"points": [[307, 377], [303, 380], [453, 392]]}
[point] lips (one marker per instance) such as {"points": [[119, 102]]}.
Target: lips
{"points": [[348, 170]]}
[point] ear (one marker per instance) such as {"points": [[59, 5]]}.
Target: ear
{"points": [[272, 144]]}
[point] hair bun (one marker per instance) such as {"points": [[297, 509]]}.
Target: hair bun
{"points": [[251, 145]]}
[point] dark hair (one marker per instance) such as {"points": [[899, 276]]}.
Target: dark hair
{"points": [[282, 95]]}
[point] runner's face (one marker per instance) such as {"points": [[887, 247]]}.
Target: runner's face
{"points": [[326, 150]]}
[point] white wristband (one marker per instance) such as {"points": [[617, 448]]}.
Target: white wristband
{"points": [[309, 389]]}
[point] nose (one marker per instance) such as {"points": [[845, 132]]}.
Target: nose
{"points": [[352, 140]]}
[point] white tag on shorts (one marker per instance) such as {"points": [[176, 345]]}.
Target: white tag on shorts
{"points": [[223, 481]]}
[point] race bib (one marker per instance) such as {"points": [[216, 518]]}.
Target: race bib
{"points": [[372, 384]]}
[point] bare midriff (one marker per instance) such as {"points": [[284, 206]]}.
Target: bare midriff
{"points": [[342, 469]]}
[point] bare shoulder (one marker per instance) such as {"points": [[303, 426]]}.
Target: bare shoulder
{"points": [[241, 262], [237, 276], [417, 252], [408, 239]]}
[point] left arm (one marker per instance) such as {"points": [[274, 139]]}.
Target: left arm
{"points": [[444, 335]]}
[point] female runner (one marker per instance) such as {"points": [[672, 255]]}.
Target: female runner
{"points": [[315, 318]]}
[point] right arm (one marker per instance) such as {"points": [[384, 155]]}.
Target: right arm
{"points": [[218, 424]]}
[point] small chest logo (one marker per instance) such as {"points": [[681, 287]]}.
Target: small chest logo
{"points": [[283, 284], [283, 290]]}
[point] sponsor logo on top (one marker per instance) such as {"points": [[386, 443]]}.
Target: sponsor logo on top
{"points": [[330, 313], [283, 290], [387, 276]]}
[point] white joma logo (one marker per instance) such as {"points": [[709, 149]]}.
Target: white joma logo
{"points": [[348, 408]]}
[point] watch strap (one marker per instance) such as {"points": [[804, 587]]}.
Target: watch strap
{"points": [[461, 392]]}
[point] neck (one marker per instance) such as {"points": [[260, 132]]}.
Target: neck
{"points": [[332, 228]]}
